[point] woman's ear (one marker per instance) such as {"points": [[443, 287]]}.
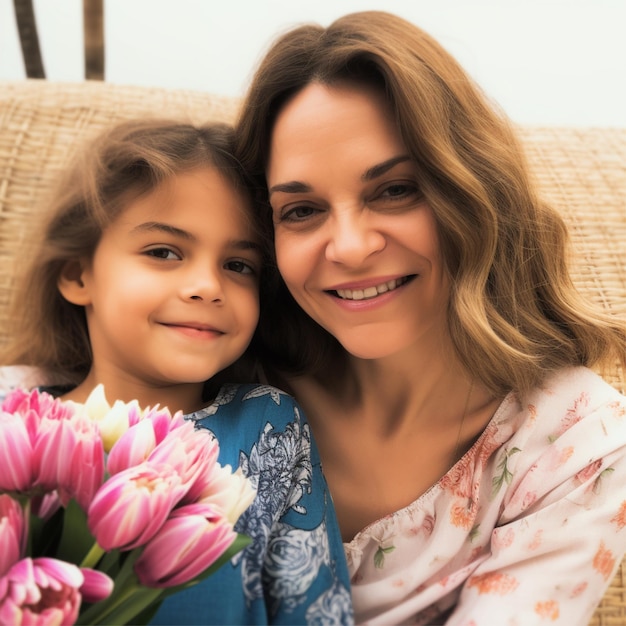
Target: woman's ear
{"points": [[70, 284]]}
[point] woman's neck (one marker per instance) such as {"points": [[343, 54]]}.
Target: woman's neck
{"points": [[401, 387], [377, 422]]}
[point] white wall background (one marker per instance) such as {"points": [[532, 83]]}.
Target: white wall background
{"points": [[544, 61]]}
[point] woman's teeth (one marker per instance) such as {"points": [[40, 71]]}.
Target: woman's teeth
{"points": [[370, 292]]}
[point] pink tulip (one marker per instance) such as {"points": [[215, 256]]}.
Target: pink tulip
{"points": [[69, 457], [191, 540], [132, 448], [16, 452], [52, 453], [87, 463], [97, 585], [136, 444], [191, 453], [46, 505], [36, 404], [12, 533], [131, 506], [40, 592], [163, 421], [229, 492]]}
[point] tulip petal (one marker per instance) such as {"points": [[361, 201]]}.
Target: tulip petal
{"points": [[96, 586], [132, 448], [16, 472], [12, 533], [184, 548], [133, 504]]}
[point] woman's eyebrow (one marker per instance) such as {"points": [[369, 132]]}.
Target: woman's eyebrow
{"points": [[380, 169], [293, 186], [375, 171]]}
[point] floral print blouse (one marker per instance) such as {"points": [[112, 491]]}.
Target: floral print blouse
{"points": [[527, 528], [294, 570]]}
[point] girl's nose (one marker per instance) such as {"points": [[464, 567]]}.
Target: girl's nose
{"points": [[353, 239], [202, 285]]}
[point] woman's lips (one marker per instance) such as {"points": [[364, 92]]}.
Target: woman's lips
{"points": [[373, 291]]}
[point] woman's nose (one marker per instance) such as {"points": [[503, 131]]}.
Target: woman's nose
{"points": [[202, 285], [353, 238]]}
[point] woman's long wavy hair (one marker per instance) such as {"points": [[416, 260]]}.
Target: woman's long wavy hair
{"points": [[121, 165], [514, 314]]}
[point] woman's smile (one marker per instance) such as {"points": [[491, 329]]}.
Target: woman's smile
{"points": [[367, 293]]}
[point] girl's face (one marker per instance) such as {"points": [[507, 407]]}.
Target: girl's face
{"points": [[356, 242], [171, 294]]}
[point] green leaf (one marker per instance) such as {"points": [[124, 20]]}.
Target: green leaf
{"points": [[76, 540], [110, 563], [44, 536], [130, 608], [126, 584]]}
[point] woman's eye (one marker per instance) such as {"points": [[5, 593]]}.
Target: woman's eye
{"points": [[399, 190], [163, 253], [241, 267], [298, 213]]}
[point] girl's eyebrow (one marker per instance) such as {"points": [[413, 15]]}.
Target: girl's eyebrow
{"points": [[373, 172], [240, 244], [164, 228]]}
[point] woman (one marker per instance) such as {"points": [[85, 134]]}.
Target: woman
{"points": [[426, 321]]}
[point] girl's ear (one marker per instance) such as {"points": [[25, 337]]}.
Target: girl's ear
{"points": [[70, 284]]}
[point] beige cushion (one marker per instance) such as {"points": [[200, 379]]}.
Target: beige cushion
{"points": [[581, 171]]}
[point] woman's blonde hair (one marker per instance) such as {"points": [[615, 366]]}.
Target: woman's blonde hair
{"points": [[125, 162], [514, 314]]}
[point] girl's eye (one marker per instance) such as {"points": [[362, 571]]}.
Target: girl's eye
{"points": [[241, 267], [298, 213], [163, 253]]}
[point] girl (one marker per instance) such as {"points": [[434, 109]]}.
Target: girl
{"points": [[146, 280], [442, 352]]}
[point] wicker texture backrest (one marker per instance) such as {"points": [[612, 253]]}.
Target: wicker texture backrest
{"points": [[581, 171]]}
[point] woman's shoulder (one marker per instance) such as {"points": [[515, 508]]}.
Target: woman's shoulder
{"points": [[573, 389], [571, 395], [567, 382]]}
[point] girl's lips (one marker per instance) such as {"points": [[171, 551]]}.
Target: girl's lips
{"points": [[198, 331], [373, 291]]}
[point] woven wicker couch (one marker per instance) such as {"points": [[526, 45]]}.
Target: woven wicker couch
{"points": [[582, 171]]}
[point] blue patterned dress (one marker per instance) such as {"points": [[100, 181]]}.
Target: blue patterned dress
{"points": [[294, 571]]}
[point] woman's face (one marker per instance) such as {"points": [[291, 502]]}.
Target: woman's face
{"points": [[356, 242]]}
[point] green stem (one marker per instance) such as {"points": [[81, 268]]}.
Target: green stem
{"points": [[92, 557]]}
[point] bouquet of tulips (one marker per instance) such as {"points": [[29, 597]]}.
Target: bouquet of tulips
{"points": [[106, 510]]}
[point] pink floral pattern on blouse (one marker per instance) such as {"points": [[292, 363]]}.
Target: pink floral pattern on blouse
{"points": [[527, 528]]}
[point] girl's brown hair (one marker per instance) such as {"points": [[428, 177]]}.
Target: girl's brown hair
{"points": [[514, 314], [122, 164]]}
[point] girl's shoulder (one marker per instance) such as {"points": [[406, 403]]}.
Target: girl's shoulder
{"points": [[253, 419], [235, 401], [20, 376]]}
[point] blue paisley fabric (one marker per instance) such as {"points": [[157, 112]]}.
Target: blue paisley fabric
{"points": [[294, 570]]}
